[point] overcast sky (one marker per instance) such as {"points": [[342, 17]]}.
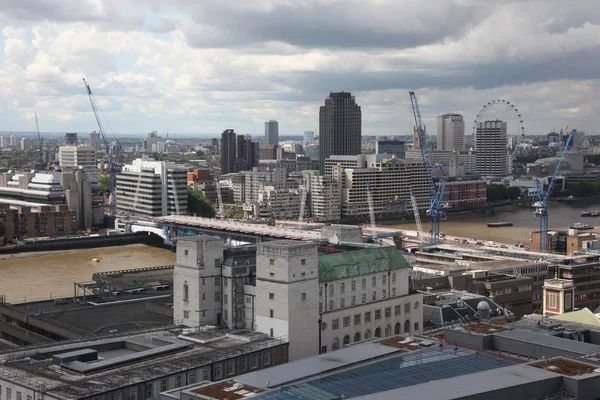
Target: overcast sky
{"points": [[208, 65]]}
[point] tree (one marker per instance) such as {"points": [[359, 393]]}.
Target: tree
{"points": [[105, 183], [199, 205], [513, 193], [2, 227], [493, 193]]}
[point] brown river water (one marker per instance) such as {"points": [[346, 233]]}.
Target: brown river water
{"points": [[44, 275]]}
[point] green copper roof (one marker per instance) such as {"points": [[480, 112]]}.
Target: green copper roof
{"points": [[360, 262]]}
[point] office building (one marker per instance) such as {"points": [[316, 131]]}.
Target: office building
{"points": [[491, 145], [13, 141], [228, 151], [72, 158], [325, 198], [95, 141], [3, 142], [309, 137], [71, 139], [270, 152], [24, 144], [340, 127], [148, 188], [247, 153], [391, 147], [450, 132], [272, 133], [321, 298]]}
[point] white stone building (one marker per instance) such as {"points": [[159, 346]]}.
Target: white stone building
{"points": [[319, 297], [325, 198], [78, 157], [491, 144], [450, 132]]}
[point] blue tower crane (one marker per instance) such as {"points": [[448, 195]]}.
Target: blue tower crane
{"points": [[112, 167], [541, 205], [438, 209]]}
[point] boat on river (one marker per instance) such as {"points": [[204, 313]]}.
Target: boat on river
{"points": [[499, 224]]}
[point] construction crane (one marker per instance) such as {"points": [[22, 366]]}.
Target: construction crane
{"points": [[302, 204], [112, 167], [415, 208], [219, 197], [371, 211], [541, 205], [41, 144], [438, 209]]}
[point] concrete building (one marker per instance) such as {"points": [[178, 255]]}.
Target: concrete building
{"points": [[316, 296], [72, 158], [3, 142], [340, 127], [491, 145], [312, 151], [272, 133], [95, 141], [24, 144], [247, 154], [309, 137], [391, 147], [151, 188], [270, 152], [325, 198], [450, 132], [13, 141], [228, 151]]}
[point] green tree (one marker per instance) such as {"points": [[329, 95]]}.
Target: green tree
{"points": [[494, 193], [199, 205], [104, 181], [513, 193], [2, 227]]}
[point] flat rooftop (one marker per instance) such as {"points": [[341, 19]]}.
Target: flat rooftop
{"points": [[163, 351]]}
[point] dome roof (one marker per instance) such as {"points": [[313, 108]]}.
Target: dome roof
{"points": [[483, 305]]}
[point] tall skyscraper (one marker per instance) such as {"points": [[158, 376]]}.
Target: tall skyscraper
{"points": [[247, 153], [3, 142], [13, 140], [309, 137], [272, 132], [24, 144], [491, 142], [95, 140], [340, 127], [450, 132], [228, 152]]}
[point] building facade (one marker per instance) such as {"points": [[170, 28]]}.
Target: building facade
{"points": [[228, 151], [95, 141], [450, 132], [325, 198], [78, 157], [465, 195], [309, 137], [491, 145], [395, 147], [149, 188], [340, 127], [272, 133]]}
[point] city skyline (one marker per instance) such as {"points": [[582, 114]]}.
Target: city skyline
{"points": [[150, 63]]}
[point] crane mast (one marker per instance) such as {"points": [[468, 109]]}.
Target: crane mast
{"points": [[415, 208], [219, 197], [371, 211], [541, 206], [41, 144], [302, 204], [112, 169], [438, 208]]}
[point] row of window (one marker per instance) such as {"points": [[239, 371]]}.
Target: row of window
{"points": [[9, 395], [331, 305], [335, 345], [359, 318], [353, 284]]}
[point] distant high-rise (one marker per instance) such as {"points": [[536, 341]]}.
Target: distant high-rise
{"points": [[451, 132], [247, 153], [392, 147], [95, 140], [309, 137], [228, 152], [24, 144], [491, 142], [3, 142], [416, 140], [71, 139], [272, 132], [340, 127], [13, 140]]}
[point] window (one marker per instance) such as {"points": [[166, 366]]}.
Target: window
{"points": [[205, 374], [342, 288], [225, 315], [272, 296], [302, 262], [186, 314], [271, 332], [342, 302], [303, 274], [186, 252], [368, 334], [320, 291], [346, 341], [225, 280], [267, 357], [378, 332], [335, 324], [397, 310], [230, 368], [8, 394], [29, 397], [185, 291], [303, 296], [243, 364], [407, 326], [204, 313], [132, 394], [217, 371], [225, 299], [336, 344], [567, 301], [388, 312], [551, 302], [253, 361], [217, 262], [19, 395], [416, 326], [393, 292], [353, 300], [374, 281], [374, 296], [0, 392], [368, 316], [323, 349], [416, 305], [331, 290], [397, 328], [393, 277], [204, 281], [271, 313], [320, 307], [388, 331], [272, 261], [346, 322], [203, 296], [383, 294], [364, 283], [383, 279], [406, 308], [148, 390], [356, 319], [377, 314], [164, 385], [364, 298], [330, 305], [192, 377], [178, 380], [353, 286], [218, 281]]}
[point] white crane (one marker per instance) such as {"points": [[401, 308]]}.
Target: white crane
{"points": [[415, 208], [371, 210], [219, 197], [302, 203], [175, 194]]}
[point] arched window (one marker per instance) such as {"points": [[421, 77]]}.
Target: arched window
{"points": [[336, 344], [416, 305], [378, 332], [397, 328], [346, 340], [388, 331], [407, 326], [357, 337], [368, 334]]}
